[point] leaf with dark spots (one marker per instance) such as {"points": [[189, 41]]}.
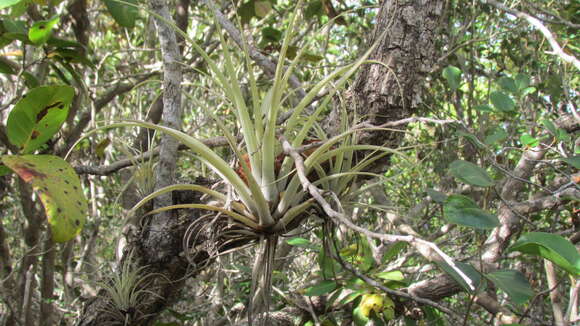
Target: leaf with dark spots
{"points": [[26, 173], [50, 177], [38, 116], [44, 111]]}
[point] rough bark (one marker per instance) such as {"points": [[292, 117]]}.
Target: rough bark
{"points": [[392, 91]]}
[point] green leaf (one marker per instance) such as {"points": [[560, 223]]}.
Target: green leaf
{"points": [[262, 8], [508, 84], [470, 173], [502, 102], [299, 242], [38, 116], [246, 12], [483, 108], [124, 15], [321, 288], [550, 126], [41, 30], [463, 210], [313, 9], [272, 35], [359, 317], [514, 283], [453, 76], [551, 247], [496, 135], [59, 189], [5, 68], [393, 251], [529, 141], [437, 196], [4, 170], [8, 3], [522, 81], [573, 161]]}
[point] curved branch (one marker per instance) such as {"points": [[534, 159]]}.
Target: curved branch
{"points": [[556, 48]]}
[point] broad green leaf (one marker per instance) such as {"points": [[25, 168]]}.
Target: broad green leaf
{"points": [[38, 116], [463, 210], [262, 8], [8, 3], [496, 135], [573, 161], [508, 84], [437, 196], [41, 30], [321, 288], [551, 247], [59, 189], [124, 15], [453, 76], [522, 81], [529, 141], [394, 279], [502, 102], [15, 30], [470, 173], [514, 283], [468, 270]]}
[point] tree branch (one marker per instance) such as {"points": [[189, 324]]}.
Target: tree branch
{"points": [[556, 48]]}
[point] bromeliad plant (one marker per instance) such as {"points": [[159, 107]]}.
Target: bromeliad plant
{"points": [[267, 195]]}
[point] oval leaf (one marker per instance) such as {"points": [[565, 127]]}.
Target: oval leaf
{"points": [[462, 210], [59, 189], [529, 141], [41, 30], [502, 102], [8, 3], [124, 15], [551, 247], [508, 84], [453, 76], [321, 288], [514, 283], [38, 116], [470, 173]]}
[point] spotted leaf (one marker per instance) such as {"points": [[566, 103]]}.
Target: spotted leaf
{"points": [[59, 189], [38, 116]]}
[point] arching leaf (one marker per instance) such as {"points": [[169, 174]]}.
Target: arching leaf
{"points": [[462, 210], [470, 173], [453, 76], [502, 102], [124, 15], [59, 189], [8, 3], [38, 116], [551, 247], [514, 283]]}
